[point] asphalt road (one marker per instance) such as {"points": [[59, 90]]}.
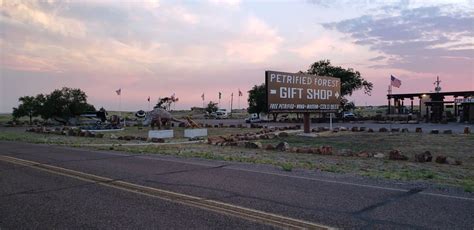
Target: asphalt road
{"points": [[33, 198]]}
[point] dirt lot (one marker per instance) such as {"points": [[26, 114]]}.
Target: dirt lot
{"points": [[457, 146]]}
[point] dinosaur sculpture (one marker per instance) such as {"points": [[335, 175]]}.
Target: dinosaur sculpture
{"points": [[159, 117], [191, 123]]}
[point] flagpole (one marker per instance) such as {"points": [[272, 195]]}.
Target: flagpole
{"points": [[231, 102]]}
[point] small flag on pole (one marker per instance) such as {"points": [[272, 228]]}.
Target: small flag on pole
{"points": [[118, 91], [148, 99], [240, 93], [395, 82], [202, 96], [220, 95]]}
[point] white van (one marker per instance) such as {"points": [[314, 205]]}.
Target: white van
{"points": [[221, 114]]}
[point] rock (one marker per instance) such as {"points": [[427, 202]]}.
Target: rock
{"points": [[423, 157], [269, 147], [452, 161], [379, 155], [196, 138], [342, 129], [271, 136], [383, 130], [395, 130], [363, 154], [157, 140], [282, 146], [215, 140], [405, 130], [448, 131], [434, 131], [302, 150], [253, 145], [362, 129], [283, 134], [370, 130], [355, 129], [419, 130], [467, 130], [440, 159], [396, 155], [326, 150]]}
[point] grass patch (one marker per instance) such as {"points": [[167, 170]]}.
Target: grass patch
{"points": [[287, 166], [404, 174], [468, 185]]}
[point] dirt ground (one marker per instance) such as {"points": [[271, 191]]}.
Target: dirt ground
{"points": [[457, 146]]}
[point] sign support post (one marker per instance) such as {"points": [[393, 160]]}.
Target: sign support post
{"points": [[330, 121], [307, 123]]}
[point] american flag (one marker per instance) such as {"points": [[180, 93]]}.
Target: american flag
{"points": [[118, 91], [240, 93], [395, 82], [202, 96]]}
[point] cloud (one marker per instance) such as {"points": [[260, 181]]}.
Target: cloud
{"points": [[427, 39], [28, 13], [230, 3], [256, 43]]}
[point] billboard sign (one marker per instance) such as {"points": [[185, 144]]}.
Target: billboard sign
{"points": [[297, 92]]}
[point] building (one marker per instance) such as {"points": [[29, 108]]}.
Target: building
{"points": [[432, 107]]}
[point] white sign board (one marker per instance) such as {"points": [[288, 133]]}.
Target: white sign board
{"points": [[161, 133], [191, 133]]}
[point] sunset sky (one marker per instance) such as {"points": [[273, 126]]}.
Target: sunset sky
{"points": [[157, 48]]}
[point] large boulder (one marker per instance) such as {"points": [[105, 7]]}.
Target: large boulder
{"points": [[397, 156], [282, 146], [383, 130], [419, 130], [434, 131], [423, 157]]}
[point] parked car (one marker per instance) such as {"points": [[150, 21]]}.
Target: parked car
{"points": [[348, 116], [253, 118]]}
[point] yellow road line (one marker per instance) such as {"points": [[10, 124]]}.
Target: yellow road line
{"points": [[211, 205]]}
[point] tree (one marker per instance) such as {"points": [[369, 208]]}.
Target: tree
{"points": [[257, 99], [350, 80], [29, 107], [63, 104], [211, 107], [165, 102]]}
